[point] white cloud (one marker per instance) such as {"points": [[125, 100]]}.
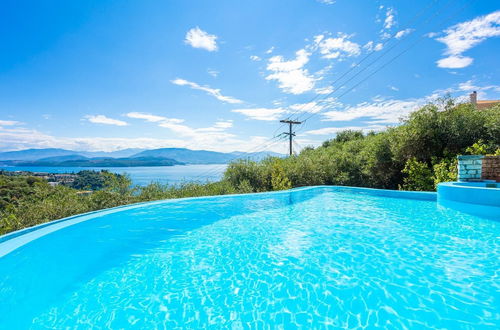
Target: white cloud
{"points": [[153, 118], [470, 86], [402, 33], [371, 46], [324, 90], [327, 2], [337, 47], [101, 119], [335, 130], [9, 123], [198, 38], [311, 107], [211, 91], [378, 47], [315, 106], [389, 21], [270, 114], [291, 76], [213, 73], [223, 124], [177, 126], [265, 114], [386, 112], [455, 62], [394, 88], [463, 36], [255, 58], [270, 50], [23, 138]]}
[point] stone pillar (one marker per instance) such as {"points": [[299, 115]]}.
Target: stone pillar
{"points": [[470, 167], [473, 98], [491, 168]]}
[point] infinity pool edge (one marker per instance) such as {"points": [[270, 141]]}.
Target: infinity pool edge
{"points": [[16, 239]]}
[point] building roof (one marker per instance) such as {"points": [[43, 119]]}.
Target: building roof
{"points": [[486, 104]]}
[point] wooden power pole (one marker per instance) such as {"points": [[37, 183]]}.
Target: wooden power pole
{"points": [[290, 133]]}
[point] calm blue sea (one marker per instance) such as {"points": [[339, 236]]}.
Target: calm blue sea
{"points": [[145, 174]]}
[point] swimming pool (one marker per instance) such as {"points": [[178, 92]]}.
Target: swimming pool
{"points": [[311, 257]]}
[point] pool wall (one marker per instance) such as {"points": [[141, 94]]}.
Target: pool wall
{"points": [[478, 168], [481, 198]]}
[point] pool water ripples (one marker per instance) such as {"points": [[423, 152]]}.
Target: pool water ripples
{"points": [[313, 258]]}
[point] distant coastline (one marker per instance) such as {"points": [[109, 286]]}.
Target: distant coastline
{"points": [[97, 162]]}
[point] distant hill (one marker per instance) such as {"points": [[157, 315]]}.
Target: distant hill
{"points": [[181, 155], [124, 153], [101, 162], [62, 158], [37, 154], [188, 156], [34, 154], [203, 156]]}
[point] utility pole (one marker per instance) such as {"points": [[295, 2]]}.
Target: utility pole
{"points": [[290, 133]]}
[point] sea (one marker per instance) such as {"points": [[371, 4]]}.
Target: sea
{"points": [[143, 175]]}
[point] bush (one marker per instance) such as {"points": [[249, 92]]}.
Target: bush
{"points": [[418, 176], [416, 155], [445, 171]]}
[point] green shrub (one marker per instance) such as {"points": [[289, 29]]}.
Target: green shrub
{"points": [[445, 171], [418, 176]]}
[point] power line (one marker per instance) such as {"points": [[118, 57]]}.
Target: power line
{"points": [[290, 134], [390, 61], [266, 144], [366, 78], [356, 65]]}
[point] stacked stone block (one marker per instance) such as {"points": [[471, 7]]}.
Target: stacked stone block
{"points": [[491, 168], [470, 167]]}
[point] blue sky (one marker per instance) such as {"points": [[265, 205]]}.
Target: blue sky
{"points": [[218, 75]]}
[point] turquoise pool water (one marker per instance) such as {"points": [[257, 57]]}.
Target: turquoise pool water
{"points": [[310, 258]]}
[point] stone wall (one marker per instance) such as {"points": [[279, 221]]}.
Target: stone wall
{"points": [[491, 168], [469, 167]]}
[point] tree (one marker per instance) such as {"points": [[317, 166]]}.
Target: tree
{"points": [[418, 176], [279, 180]]}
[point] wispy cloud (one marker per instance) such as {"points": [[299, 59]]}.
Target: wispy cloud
{"points": [[371, 46], [213, 73], [211, 91], [198, 38], [9, 123], [326, 2], [324, 90], [153, 118], [389, 20], [463, 36], [402, 33], [102, 119], [255, 58], [16, 138], [266, 114], [387, 112], [335, 130], [177, 125], [291, 76], [337, 47]]}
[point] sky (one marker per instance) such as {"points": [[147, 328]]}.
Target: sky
{"points": [[219, 75]]}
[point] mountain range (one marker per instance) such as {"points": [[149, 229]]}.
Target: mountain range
{"points": [[126, 157]]}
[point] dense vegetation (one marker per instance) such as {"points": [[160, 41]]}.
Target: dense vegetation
{"points": [[416, 155]]}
